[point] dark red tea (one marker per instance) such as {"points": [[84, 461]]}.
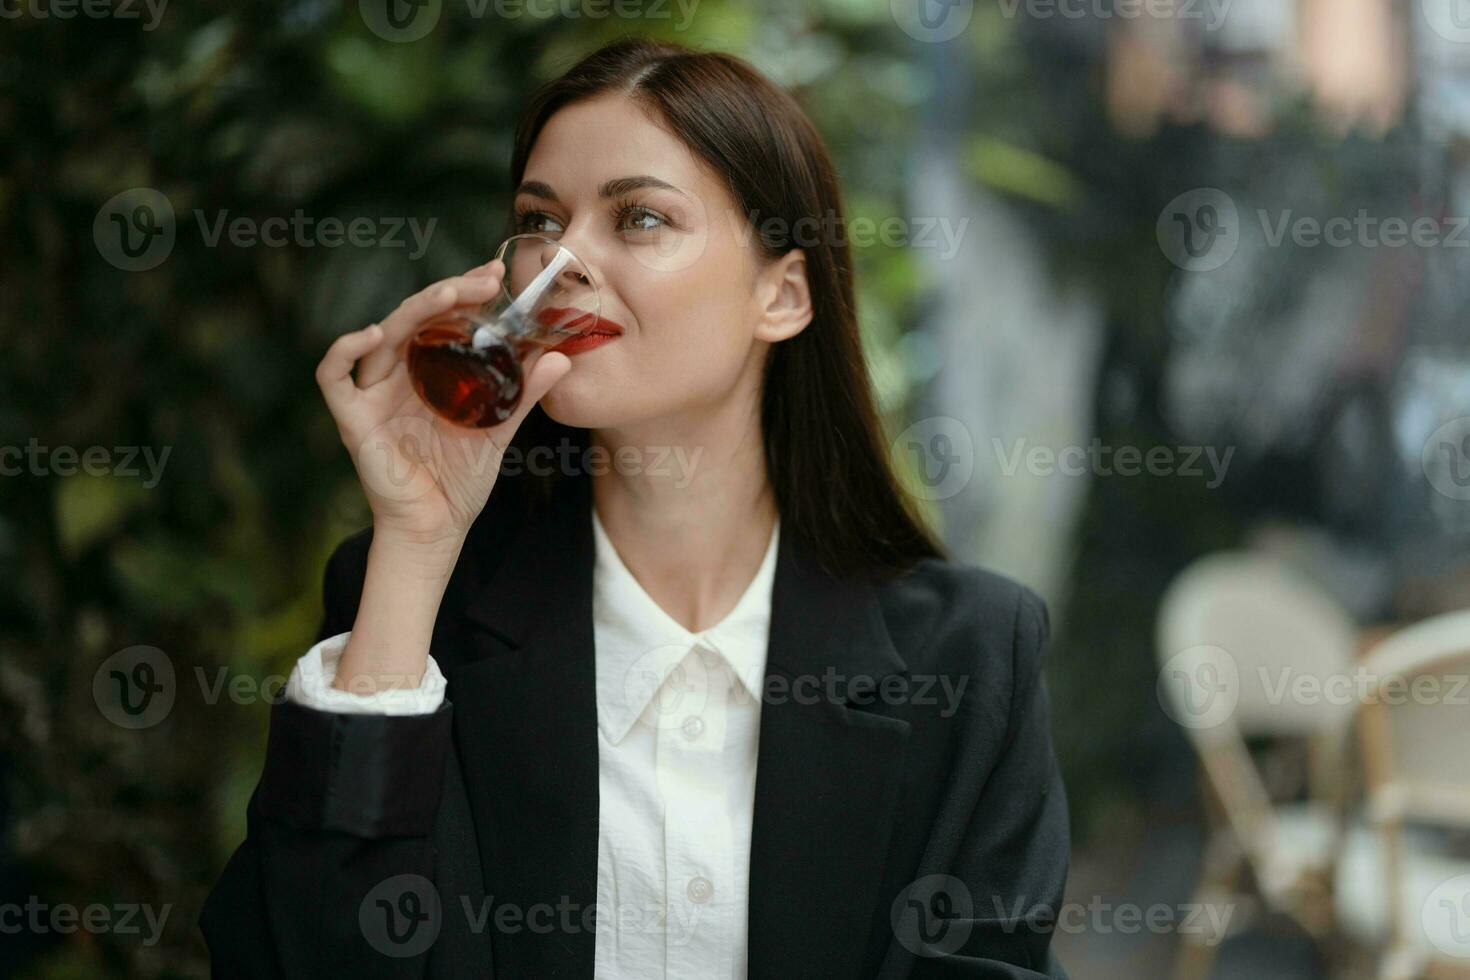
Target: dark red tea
{"points": [[472, 387]]}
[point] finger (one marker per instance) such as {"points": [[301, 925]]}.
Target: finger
{"points": [[495, 267], [541, 372], [334, 373], [411, 313]]}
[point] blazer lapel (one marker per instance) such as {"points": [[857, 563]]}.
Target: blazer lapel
{"points": [[827, 777], [525, 718]]}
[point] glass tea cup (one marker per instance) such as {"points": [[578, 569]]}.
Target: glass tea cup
{"points": [[466, 365]]}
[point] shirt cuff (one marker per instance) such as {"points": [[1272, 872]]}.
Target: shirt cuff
{"points": [[311, 685]]}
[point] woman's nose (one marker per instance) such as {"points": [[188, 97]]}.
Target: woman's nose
{"points": [[574, 272]]}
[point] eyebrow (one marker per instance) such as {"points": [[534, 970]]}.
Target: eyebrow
{"points": [[613, 188]]}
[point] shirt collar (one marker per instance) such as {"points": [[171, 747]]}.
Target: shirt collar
{"points": [[638, 644]]}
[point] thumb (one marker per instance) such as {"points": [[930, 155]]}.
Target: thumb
{"points": [[548, 369], [543, 371]]}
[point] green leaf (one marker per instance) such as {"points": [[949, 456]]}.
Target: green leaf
{"points": [[89, 508]]}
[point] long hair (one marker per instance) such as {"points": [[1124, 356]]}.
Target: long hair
{"points": [[824, 446]]}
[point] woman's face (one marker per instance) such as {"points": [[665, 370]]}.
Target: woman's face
{"points": [[672, 256]]}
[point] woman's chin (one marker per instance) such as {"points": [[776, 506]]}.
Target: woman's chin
{"points": [[579, 402]]}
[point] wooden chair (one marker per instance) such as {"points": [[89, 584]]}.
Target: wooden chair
{"points": [[1411, 894], [1261, 629]]}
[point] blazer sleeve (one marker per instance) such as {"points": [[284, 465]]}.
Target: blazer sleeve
{"points": [[1011, 861], [335, 876]]}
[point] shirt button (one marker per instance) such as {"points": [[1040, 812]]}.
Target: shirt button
{"points": [[701, 889], [693, 727]]}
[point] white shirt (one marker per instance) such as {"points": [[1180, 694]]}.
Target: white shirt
{"points": [[678, 719]]}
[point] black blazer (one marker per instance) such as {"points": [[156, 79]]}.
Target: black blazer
{"points": [[473, 831]]}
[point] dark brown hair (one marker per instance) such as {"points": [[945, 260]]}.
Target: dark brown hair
{"points": [[824, 446]]}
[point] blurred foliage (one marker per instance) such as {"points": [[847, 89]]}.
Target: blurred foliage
{"points": [[270, 109], [258, 110]]}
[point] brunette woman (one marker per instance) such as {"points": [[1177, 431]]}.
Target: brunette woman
{"points": [[675, 684]]}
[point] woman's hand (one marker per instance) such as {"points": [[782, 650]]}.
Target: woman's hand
{"points": [[426, 479]]}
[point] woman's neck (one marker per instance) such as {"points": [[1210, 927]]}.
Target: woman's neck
{"points": [[693, 518]]}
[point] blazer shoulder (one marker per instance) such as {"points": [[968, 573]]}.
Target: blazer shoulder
{"points": [[954, 615]]}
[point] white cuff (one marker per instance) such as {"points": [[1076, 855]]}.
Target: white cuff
{"points": [[311, 685]]}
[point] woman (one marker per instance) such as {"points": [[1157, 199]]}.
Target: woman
{"points": [[704, 701]]}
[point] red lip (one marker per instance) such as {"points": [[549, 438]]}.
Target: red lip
{"points": [[589, 332]]}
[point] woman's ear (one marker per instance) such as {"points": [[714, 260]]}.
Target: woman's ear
{"points": [[786, 296]]}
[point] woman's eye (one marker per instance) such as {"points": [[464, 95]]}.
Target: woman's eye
{"points": [[535, 221], [640, 219]]}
